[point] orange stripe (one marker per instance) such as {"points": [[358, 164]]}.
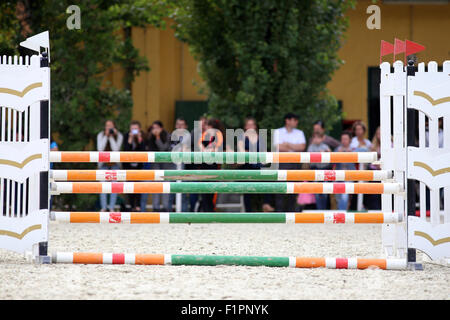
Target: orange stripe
{"points": [[81, 175], [308, 187], [87, 258], [366, 263], [288, 157], [341, 157], [140, 175], [369, 188], [133, 157], [84, 217], [75, 157], [86, 187], [145, 218], [148, 187], [359, 175], [295, 175], [149, 259], [309, 218], [369, 218], [309, 262]]}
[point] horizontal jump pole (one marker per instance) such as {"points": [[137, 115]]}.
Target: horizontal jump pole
{"points": [[214, 157], [214, 217], [224, 187], [220, 175], [215, 260]]}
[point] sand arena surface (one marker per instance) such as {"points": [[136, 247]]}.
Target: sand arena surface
{"points": [[19, 279]]}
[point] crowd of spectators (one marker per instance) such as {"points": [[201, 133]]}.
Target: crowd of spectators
{"points": [[210, 136]]}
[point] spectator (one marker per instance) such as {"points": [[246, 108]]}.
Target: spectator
{"points": [[110, 139], [159, 140], [53, 147], [212, 140], [373, 201], [250, 143], [195, 136], [346, 137], [134, 141], [319, 127], [359, 143], [288, 139], [318, 145], [178, 144]]}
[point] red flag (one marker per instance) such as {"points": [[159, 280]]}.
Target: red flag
{"points": [[412, 47], [399, 47], [385, 49]]}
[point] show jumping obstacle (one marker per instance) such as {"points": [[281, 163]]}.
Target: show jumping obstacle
{"points": [[214, 217], [26, 181]]}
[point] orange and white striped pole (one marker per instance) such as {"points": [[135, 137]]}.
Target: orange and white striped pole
{"points": [[228, 217], [215, 260], [225, 187], [220, 175], [214, 157]]}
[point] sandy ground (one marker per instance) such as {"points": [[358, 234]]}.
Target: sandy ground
{"points": [[20, 279]]}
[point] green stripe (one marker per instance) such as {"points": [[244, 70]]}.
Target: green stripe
{"points": [[228, 187], [211, 260], [211, 157], [203, 217], [221, 175]]}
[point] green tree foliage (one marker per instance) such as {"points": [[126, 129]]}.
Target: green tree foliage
{"points": [[82, 59], [81, 98], [266, 58]]}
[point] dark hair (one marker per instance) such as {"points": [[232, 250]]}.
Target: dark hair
{"points": [[290, 115], [159, 123], [320, 123], [152, 139], [346, 133], [110, 120], [135, 122]]}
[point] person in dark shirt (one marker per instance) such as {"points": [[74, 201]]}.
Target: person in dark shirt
{"points": [[134, 141], [159, 140]]}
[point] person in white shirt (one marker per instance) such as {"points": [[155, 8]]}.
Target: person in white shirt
{"points": [[359, 143], [288, 139]]}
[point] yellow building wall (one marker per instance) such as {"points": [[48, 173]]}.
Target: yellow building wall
{"points": [[173, 69], [172, 73], [425, 24]]}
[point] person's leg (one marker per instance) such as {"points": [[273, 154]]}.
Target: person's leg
{"points": [[248, 202], [291, 202], [342, 201], [156, 200], [184, 202], [168, 200], [321, 201], [280, 200], [207, 202], [103, 202], [112, 201], [144, 199], [193, 198]]}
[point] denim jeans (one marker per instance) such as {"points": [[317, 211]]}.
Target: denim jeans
{"points": [[112, 196], [321, 201], [342, 201]]}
